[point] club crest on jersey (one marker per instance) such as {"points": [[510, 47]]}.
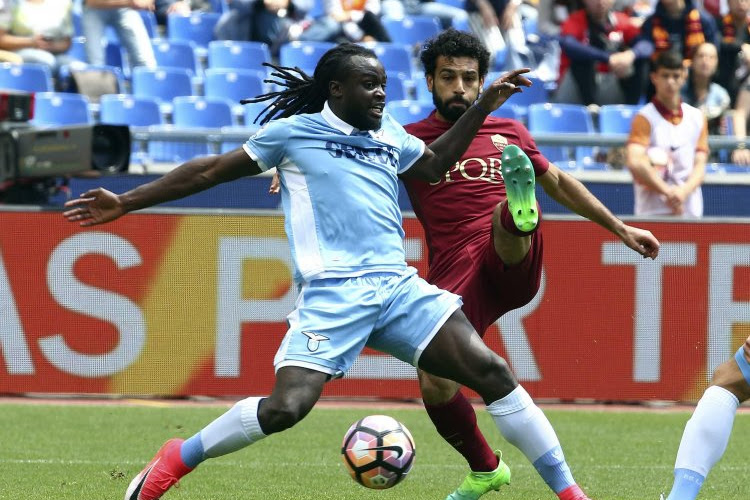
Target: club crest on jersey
{"points": [[314, 340], [499, 142]]}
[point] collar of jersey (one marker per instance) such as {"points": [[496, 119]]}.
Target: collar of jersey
{"points": [[337, 123]]}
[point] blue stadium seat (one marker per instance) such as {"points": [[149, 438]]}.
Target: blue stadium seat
{"points": [[460, 4], [115, 55], [29, 77], [412, 30], [219, 6], [126, 109], [536, 94], [233, 85], [251, 112], [406, 112], [163, 84], [77, 50], [423, 93], [238, 55], [304, 55], [176, 54], [197, 27], [616, 118], [194, 111], [508, 111], [396, 58], [61, 108], [396, 89], [562, 118]]}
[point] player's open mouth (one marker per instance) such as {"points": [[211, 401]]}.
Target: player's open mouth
{"points": [[377, 110]]}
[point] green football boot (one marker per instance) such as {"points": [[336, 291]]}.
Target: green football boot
{"points": [[520, 186], [476, 484]]}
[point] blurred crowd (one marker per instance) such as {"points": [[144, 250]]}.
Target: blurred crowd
{"points": [[590, 52]]}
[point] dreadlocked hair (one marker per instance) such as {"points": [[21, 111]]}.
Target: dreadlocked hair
{"points": [[302, 93]]}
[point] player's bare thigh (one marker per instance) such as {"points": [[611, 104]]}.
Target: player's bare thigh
{"points": [[511, 248], [729, 376]]}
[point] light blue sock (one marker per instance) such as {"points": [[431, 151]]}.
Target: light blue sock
{"points": [[554, 470], [687, 484], [192, 451]]}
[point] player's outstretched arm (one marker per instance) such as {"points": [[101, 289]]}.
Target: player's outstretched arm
{"points": [[449, 147], [98, 206], [571, 193]]}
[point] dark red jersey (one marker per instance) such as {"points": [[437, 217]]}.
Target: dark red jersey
{"points": [[456, 212]]}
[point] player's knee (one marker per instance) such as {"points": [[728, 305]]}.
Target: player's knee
{"points": [[729, 376], [278, 414], [494, 380]]}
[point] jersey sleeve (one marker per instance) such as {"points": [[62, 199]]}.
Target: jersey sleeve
{"points": [[267, 147], [640, 131], [540, 162], [702, 144], [412, 148]]}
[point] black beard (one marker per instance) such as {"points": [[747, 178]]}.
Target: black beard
{"points": [[448, 112]]}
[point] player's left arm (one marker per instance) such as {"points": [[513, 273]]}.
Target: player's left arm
{"points": [[571, 193]]}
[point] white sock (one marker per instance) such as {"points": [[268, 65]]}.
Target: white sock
{"points": [[235, 429], [525, 426], [707, 432]]}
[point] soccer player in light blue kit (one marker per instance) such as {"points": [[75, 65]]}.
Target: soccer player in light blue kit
{"points": [[338, 156], [706, 434]]}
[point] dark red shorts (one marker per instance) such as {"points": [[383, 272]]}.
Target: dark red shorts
{"points": [[490, 288]]}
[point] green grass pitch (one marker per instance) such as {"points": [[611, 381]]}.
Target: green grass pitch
{"points": [[90, 452]]}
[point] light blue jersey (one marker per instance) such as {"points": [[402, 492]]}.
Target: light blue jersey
{"points": [[339, 191]]}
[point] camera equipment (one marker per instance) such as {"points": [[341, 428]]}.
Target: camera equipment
{"points": [[30, 152]]}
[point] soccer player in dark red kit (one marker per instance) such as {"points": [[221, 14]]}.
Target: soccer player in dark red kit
{"points": [[486, 246]]}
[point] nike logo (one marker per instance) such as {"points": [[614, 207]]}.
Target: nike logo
{"points": [[137, 491], [397, 449], [674, 148]]}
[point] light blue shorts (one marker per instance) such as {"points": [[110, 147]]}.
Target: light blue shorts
{"points": [[335, 318]]}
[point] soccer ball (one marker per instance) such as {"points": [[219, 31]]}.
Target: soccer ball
{"points": [[378, 451]]}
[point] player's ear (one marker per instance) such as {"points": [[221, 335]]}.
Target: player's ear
{"points": [[335, 89], [430, 82]]}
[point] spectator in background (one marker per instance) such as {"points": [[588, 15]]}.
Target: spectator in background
{"points": [[348, 20], [601, 63], [734, 49], [448, 14], [668, 146], [678, 25], [164, 8], [741, 155], [702, 92], [123, 17], [273, 22], [37, 31], [553, 13], [498, 24]]}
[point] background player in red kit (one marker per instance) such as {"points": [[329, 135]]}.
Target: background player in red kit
{"points": [[477, 250]]}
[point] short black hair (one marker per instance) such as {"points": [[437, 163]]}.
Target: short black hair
{"points": [[669, 59], [454, 43]]}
